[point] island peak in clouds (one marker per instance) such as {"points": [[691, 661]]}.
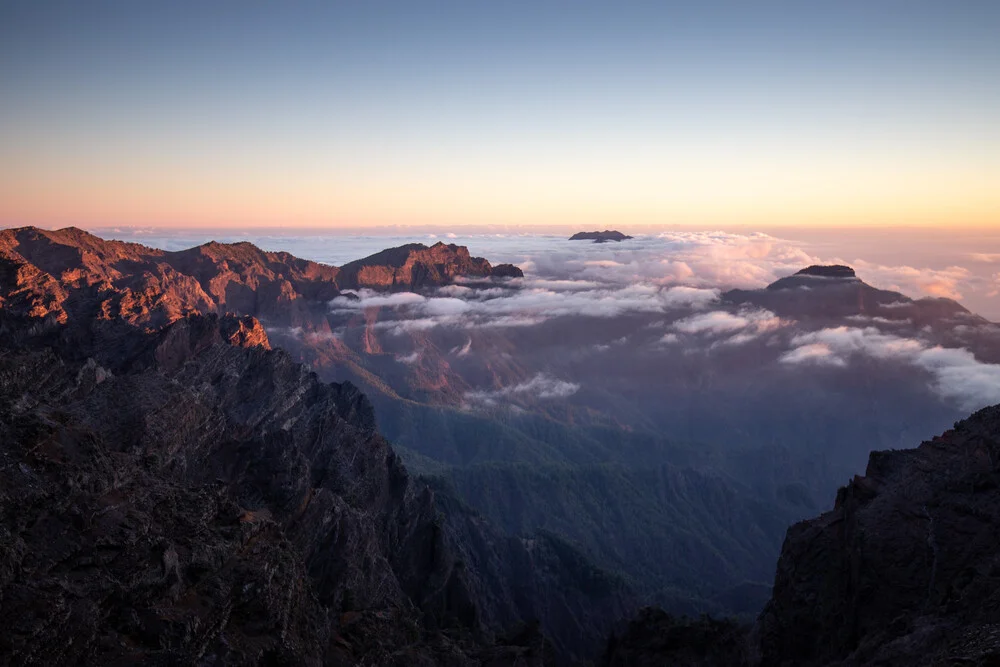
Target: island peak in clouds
{"points": [[600, 237], [828, 271]]}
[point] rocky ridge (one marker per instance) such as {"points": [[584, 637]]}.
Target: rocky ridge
{"points": [[902, 572], [69, 272]]}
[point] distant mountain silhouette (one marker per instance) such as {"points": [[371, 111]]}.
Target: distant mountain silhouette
{"points": [[835, 292], [600, 237]]}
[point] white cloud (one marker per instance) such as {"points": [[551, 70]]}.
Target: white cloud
{"points": [[819, 353], [445, 306], [957, 375], [721, 322], [371, 299], [947, 282], [715, 322], [961, 378], [541, 386], [986, 257]]}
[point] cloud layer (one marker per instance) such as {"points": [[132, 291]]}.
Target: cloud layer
{"points": [[540, 387], [956, 373]]}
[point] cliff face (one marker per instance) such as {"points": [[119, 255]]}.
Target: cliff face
{"points": [[188, 496], [415, 266], [905, 569], [173, 491], [70, 273]]}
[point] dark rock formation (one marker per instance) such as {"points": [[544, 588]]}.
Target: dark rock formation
{"points": [[834, 292], [905, 569], [816, 276], [190, 497], [655, 638], [600, 237], [827, 271], [506, 271]]}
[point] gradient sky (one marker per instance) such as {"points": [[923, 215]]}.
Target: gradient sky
{"points": [[614, 114]]}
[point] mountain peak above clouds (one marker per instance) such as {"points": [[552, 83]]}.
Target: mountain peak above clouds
{"points": [[600, 237], [70, 272], [817, 276], [828, 271], [836, 291], [414, 266]]}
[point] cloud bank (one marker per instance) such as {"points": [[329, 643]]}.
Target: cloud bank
{"points": [[957, 375], [541, 386]]}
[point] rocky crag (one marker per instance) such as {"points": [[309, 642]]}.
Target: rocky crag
{"points": [[904, 571], [415, 266], [69, 272], [173, 491], [190, 496]]}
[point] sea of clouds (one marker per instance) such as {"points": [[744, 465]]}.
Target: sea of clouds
{"points": [[677, 274]]}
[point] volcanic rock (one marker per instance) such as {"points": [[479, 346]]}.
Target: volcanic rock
{"points": [[506, 271], [904, 570], [600, 237], [412, 267]]}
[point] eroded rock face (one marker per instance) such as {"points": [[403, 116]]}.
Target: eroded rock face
{"points": [[188, 497], [905, 570], [70, 273], [506, 271], [413, 267]]}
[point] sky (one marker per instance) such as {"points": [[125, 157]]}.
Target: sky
{"points": [[356, 114]]}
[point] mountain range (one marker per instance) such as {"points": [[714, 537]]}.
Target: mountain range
{"points": [[215, 501]]}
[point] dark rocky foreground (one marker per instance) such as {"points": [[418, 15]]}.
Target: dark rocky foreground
{"points": [[904, 571], [189, 496]]}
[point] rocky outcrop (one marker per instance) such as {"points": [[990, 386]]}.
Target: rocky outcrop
{"points": [[904, 570], [190, 497], [415, 266], [655, 638], [600, 237], [817, 277], [69, 272], [506, 271]]}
